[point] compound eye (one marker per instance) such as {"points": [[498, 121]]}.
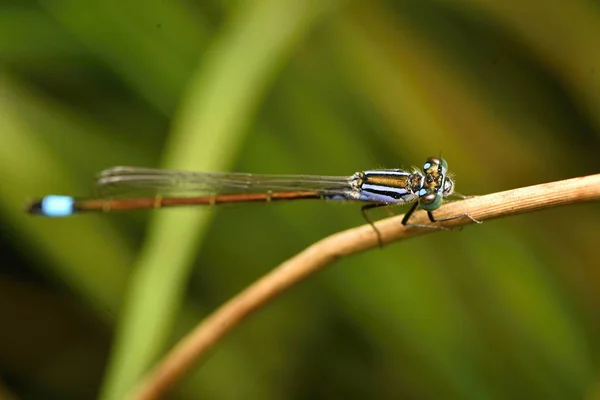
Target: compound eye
{"points": [[431, 161], [430, 201], [444, 164]]}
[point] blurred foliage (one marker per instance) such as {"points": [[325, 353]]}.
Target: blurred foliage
{"points": [[508, 91]]}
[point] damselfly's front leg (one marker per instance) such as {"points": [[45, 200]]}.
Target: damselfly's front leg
{"points": [[433, 219]]}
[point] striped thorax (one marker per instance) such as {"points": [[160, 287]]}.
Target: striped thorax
{"points": [[393, 186]]}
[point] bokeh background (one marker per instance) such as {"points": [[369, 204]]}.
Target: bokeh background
{"points": [[508, 91]]}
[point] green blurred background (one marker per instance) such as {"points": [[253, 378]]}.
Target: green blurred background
{"points": [[508, 91]]}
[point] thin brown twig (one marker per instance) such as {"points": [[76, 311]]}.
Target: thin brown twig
{"points": [[195, 346]]}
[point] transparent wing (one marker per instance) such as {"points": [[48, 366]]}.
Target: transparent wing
{"points": [[128, 181]]}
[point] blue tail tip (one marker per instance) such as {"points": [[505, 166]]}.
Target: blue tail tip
{"points": [[53, 206]]}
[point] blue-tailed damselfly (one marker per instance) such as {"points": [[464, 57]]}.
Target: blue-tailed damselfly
{"points": [[119, 189]]}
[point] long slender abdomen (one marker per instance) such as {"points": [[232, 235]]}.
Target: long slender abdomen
{"points": [[64, 206]]}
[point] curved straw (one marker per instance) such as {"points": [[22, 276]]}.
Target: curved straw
{"points": [[194, 347]]}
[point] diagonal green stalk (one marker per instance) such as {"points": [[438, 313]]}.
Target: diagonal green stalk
{"points": [[208, 132]]}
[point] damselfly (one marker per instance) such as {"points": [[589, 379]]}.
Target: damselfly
{"points": [[120, 187]]}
